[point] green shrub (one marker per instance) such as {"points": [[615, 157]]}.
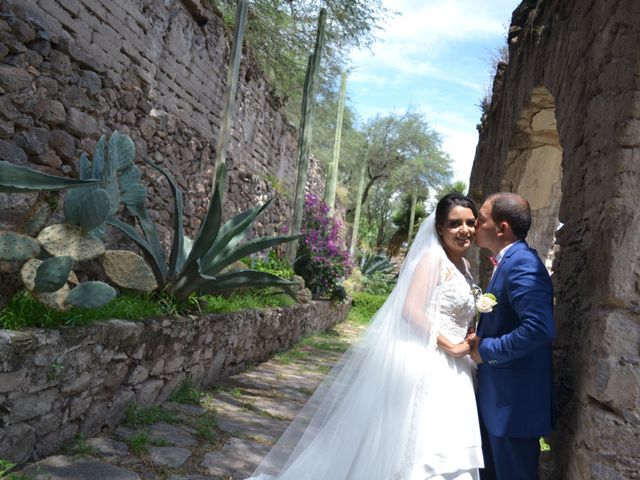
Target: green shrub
{"points": [[378, 283], [364, 306]]}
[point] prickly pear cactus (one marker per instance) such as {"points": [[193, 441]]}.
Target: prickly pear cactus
{"points": [[52, 274], [67, 240], [91, 295], [129, 270], [95, 209], [54, 299], [16, 247]]}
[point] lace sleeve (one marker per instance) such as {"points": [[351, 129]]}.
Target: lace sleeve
{"points": [[420, 306]]}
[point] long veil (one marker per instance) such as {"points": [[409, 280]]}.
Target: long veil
{"points": [[357, 424]]}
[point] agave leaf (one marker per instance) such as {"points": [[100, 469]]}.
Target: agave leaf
{"points": [[247, 249], [210, 226], [91, 295], [178, 252], [139, 210], [232, 233], [98, 159], [52, 274], [19, 179], [155, 262], [242, 278]]}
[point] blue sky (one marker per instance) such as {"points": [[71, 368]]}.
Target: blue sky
{"points": [[434, 57]]}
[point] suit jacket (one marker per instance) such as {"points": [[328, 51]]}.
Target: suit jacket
{"points": [[515, 380]]}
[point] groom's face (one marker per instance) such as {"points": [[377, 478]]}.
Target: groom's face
{"points": [[486, 229]]}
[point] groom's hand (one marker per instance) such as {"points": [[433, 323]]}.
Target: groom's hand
{"points": [[475, 353]]}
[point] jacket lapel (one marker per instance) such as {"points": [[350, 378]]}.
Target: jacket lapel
{"points": [[516, 246]]}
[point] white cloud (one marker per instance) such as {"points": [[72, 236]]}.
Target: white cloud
{"points": [[425, 29]]}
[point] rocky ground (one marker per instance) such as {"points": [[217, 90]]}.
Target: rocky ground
{"points": [[219, 433]]}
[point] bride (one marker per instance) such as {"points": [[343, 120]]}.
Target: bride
{"points": [[400, 404]]}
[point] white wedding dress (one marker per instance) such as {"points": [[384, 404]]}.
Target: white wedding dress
{"points": [[396, 407], [444, 440]]}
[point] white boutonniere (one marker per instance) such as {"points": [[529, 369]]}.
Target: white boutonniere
{"points": [[484, 302]]}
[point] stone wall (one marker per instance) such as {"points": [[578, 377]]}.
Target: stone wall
{"points": [[564, 128], [55, 384], [71, 70]]}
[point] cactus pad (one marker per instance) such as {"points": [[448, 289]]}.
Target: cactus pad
{"points": [[95, 209], [15, 247], [52, 274], [53, 300], [129, 270], [91, 295], [67, 240]]}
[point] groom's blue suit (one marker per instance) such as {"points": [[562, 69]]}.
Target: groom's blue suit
{"points": [[515, 380]]}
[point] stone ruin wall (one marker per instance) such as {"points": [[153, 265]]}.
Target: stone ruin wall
{"points": [[563, 129], [71, 70]]}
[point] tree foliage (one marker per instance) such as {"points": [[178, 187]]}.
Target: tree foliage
{"points": [[281, 35]]}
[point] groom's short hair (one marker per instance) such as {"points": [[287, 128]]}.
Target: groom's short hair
{"points": [[513, 209]]}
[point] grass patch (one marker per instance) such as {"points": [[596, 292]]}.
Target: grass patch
{"points": [[364, 306], [246, 301], [292, 356], [327, 341], [187, 393], [138, 416], [140, 442], [24, 311]]}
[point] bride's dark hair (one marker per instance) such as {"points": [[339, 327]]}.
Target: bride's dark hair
{"points": [[451, 200]]}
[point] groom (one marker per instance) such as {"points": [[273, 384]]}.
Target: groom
{"points": [[512, 346]]}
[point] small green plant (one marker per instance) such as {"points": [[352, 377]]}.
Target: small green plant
{"points": [[5, 466], [138, 416], [271, 263], [54, 371], [139, 443], [206, 427], [277, 185], [81, 447], [186, 393]]}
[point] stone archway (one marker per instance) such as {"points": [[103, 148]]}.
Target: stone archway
{"points": [[585, 55], [533, 170]]}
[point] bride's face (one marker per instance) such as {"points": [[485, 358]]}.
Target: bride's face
{"points": [[458, 230]]}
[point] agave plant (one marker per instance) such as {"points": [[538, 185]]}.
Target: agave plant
{"points": [[375, 263], [199, 265]]}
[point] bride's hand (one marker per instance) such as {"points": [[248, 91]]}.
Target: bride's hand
{"points": [[460, 349]]}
